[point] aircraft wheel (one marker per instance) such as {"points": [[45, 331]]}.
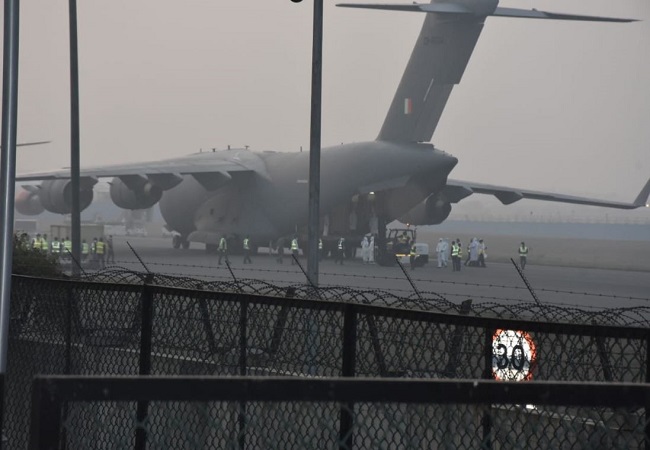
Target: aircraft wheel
{"points": [[176, 242]]}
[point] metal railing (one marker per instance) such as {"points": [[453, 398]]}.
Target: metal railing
{"points": [[262, 412]]}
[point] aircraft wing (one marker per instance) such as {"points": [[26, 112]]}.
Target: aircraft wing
{"points": [[457, 190], [199, 165]]}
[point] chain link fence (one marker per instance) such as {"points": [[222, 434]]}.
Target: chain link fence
{"points": [[91, 328], [335, 413]]}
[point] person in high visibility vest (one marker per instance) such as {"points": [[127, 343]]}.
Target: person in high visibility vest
{"points": [[222, 249], [295, 250], [340, 250], [56, 247], [100, 250], [523, 255], [85, 250], [36, 242], [412, 256], [67, 247], [320, 249], [45, 244], [247, 250], [456, 254]]}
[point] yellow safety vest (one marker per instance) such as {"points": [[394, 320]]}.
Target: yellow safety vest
{"points": [[68, 245], [294, 244], [223, 244], [523, 251], [100, 248], [341, 241], [454, 250], [413, 252], [320, 244], [45, 245], [56, 247], [84, 248], [246, 246], [36, 244]]}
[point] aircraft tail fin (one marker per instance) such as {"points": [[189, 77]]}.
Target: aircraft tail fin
{"points": [[446, 42]]}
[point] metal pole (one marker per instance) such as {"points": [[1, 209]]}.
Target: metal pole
{"points": [[75, 182], [9, 118], [314, 148], [8, 164]]}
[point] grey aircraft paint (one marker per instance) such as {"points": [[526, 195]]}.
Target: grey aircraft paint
{"points": [[399, 175]]}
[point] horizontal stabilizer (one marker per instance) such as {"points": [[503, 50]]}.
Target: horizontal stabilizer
{"points": [[445, 8], [535, 14], [456, 8]]}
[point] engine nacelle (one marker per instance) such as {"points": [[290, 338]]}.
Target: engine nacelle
{"points": [[56, 195], [142, 196], [28, 203], [432, 211]]}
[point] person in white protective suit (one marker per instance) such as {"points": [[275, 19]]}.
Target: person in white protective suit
{"points": [[445, 252], [371, 249], [473, 253], [365, 253], [440, 250]]}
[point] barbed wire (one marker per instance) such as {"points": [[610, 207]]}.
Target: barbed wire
{"points": [[388, 278], [430, 301]]}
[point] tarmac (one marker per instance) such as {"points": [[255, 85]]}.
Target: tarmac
{"points": [[500, 282]]}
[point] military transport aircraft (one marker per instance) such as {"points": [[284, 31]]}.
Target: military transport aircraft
{"points": [[364, 185]]}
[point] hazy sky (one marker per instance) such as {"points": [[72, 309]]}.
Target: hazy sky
{"points": [[562, 106]]}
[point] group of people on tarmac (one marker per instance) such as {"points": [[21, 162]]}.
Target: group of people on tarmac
{"points": [[99, 252], [476, 253]]}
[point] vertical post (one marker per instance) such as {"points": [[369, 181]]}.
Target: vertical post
{"points": [[646, 429], [243, 344], [75, 182], [313, 229], [45, 427], [348, 370], [146, 331], [487, 375], [8, 177]]}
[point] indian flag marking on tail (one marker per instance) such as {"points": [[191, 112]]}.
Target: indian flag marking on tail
{"points": [[408, 106]]}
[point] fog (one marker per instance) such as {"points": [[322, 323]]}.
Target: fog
{"points": [[561, 106]]}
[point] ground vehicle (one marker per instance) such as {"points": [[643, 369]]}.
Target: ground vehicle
{"points": [[397, 245]]}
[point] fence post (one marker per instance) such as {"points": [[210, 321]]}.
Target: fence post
{"points": [[243, 344], [376, 346], [45, 427], [456, 343], [348, 369], [487, 375], [146, 330], [646, 429]]}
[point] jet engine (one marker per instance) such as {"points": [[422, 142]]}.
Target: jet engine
{"points": [[28, 203], [432, 211], [140, 195], [56, 195]]}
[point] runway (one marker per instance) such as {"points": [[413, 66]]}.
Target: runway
{"points": [[588, 289]]}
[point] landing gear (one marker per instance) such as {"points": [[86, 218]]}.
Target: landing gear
{"points": [[178, 241]]}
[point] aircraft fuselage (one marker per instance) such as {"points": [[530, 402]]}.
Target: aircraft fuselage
{"points": [[272, 199]]}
